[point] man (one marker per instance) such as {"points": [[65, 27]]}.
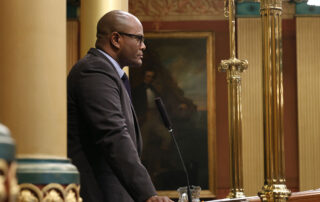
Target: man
{"points": [[104, 140]]}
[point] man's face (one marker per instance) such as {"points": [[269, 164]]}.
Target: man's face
{"points": [[132, 46]]}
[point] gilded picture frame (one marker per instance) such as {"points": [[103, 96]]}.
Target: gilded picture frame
{"points": [[183, 70]]}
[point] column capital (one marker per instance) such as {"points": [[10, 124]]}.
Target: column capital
{"points": [[271, 4], [233, 64]]}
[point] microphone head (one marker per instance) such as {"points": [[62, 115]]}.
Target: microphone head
{"points": [[163, 113]]}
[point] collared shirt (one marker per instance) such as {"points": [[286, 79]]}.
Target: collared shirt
{"points": [[115, 63]]}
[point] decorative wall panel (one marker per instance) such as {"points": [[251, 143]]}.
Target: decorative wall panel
{"points": [[308, 72], [249, 47], [189, 10], [173, 10]]}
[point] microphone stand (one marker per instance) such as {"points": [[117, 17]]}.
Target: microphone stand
{"points": [[168, 125], [182, 162]]}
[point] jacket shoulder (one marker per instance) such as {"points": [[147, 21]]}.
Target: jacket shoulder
{"points": [[92, 62]]}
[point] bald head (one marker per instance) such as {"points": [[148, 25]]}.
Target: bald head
{"points": [[120, 35], [114, 21]]}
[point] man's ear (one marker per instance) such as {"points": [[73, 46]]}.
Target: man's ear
{"points": [[115, 39]]}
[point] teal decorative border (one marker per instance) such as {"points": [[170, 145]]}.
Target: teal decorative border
{"points": [[72, 11], [304, 9], [46, 171], [7, 145], [7, 151], [248, 9]]}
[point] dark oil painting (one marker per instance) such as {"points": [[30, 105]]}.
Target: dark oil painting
{"points": [[175, 68]]}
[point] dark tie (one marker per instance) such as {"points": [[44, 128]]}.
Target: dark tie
{"points": [[126, 83]]}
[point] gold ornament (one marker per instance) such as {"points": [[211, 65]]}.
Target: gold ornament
{"points": [[50, 193]]}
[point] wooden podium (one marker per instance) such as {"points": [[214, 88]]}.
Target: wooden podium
{"points": [[303, 196]]}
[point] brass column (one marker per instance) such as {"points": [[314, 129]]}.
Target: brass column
{"points": [[274, 188], [234, 67]]}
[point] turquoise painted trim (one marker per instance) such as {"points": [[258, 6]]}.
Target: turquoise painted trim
{"points": [[248, 9], [7, 145], [72, 11], [7, 152], [46, 171], [304, 9]]}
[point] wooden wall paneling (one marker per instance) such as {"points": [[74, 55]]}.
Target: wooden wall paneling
{"points": [[72, 43], [290, 108]]}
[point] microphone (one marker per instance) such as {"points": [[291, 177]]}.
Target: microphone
{"points": [[168, 125], [163, 113]]}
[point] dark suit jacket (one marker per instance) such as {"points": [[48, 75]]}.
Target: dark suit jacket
{"points": [[104, 140]]}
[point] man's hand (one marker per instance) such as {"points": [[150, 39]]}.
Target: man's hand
{"points": [[159, 199]]}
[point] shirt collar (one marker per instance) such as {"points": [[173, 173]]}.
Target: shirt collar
{"points": [[114, 63]]}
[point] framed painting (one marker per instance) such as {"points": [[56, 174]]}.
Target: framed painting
{"points": [[178, 67]]}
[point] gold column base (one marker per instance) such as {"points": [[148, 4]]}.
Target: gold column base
{"points": [[236, 193], [52, 192], [274, 193], [9, 188]]}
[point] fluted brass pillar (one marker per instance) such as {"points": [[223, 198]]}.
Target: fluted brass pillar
{"points": [[234, 67], [274, 188]]}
